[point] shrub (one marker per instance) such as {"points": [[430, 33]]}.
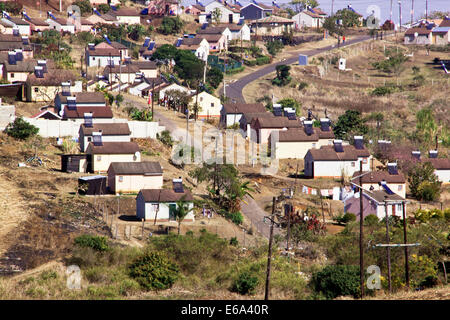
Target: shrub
{"points": [[302, 85], [262, 60], [371, 220], [84, 5], [346, 218], [245, 283], [382, 91], [274, 47], [170, 25], [337, 280], [235, 217], [234, 241], [21, 129], [95, 242], [154, 271]]}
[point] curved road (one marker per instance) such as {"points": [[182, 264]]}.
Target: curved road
{"points": [[234, 89]]}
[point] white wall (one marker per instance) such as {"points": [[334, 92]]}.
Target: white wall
{"points": [[109, 138], [101, 61], [68, 128], [443, 175], [148, 210], [334, 168]]}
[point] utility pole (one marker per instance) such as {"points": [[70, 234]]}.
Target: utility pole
{"points": [[388, 249], [412, 11], [332, 6], [406, 247], [289, 212], [110, 71], [153, 95], [269, 255], [426, 11], [60, 5], [391, 12], [400, 14], [361, 231]]}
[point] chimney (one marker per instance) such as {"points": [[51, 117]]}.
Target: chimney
{"points": [[359, 142], [71, 103], [65, 89], [178, 185], [12, 57], [338, 145], [433, 154], [25, 40], [308, 127], [88, 120], [416, 154], [97, 138], [19, 55], [392, 168], [324, 124], [43, 64], [38, 72]]}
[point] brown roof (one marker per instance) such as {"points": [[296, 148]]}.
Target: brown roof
{"points": [[53, 77], [86, 22], [107, 129], [420, 31], [19, 21], [381, 195], [327, 153], [145, 65], [39, 22], [149, 168], [297, 135], [86, 97], [104, 52], [231, 26], [165, 195], [78, 113], [325, 134], [377, 176], [212, 30], [11, 45], [199, 7], [10, 38], [210, 37], [439, 163], [445, 23], [132, 68], [190, 43], [118, 45], [113, 148], [244, 108], [20, 66], [311, 14], [125, 12], [276, 122], [249, 116]]}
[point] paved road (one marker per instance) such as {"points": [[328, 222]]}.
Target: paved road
{"points": [[234, 89]]}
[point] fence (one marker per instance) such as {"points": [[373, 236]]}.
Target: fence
{"points": [[62, 128], [231, 64]]}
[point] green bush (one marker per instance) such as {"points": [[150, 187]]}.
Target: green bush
{"points": [[95, 242], [165, 138], [303, 85], [171, 25], [346, 218], [382, 91], [235, 217], [234, 241], [21, 129], [371, 220], [235, 70], [337, 280], [84, 5], [154, 271], [245, 283], [262, 60]]}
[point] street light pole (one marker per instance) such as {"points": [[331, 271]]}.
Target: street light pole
{"points": [[269, 255], [388, 249], [406, 247], [361, 231], [400, 14]]}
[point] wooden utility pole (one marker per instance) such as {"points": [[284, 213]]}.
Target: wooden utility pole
{"points": [[361, 232], [406, 247], [388, 249], [289, 212], [269, 255], [153, 95]]}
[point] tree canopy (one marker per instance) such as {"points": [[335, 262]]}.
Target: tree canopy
{"points": [[349, 124]]}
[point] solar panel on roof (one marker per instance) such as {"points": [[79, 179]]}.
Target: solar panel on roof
{"points": [[96, 12], [433, 154], [179, 42], [392, 168], [146, 42], [325, 125], [309, 129], [386, 188], [151, 45], [338, 147], [97, 139], [178, 186], [291, 116], [277, 112], [88, 120], [204, 26], [71, 103], [359, 144]]}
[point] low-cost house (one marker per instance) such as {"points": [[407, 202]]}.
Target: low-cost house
{"points": [[104, 153], [294, 143], [199, 46], [229, 13], [272, 26], [209, 106], [11, 43], [38, 25], [80, 114], [111, 132], [373, 180], [161, 204], [217, 42], [61, 25], [17, 23], [421, 35], [148, 68], [441, 166], [336, 161], [376, 203], [14, 68], [79, 100], [162, 7], [195, 9], [238, 31], [309, 18], [222, 29], [253, 11], [105, 18], [173, 86], [231, 113], [126, 177], [122, 73], [101, 55], [126, 15], [262, 127]]}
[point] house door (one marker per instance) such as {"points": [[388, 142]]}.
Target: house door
{"points": [[89, 160], [172, 207], [230, 18]]}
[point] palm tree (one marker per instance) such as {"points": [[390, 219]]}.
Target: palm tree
{"points": [[235, 193], [181, 211]]}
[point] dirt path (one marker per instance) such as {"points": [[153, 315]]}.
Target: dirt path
{"points": [[256, 214]]}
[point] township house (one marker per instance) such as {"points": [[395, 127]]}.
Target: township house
{"points": [[11, 43], [147, 68], [162, 7], [229, 13], [38, 25], [217, 41], [262, 127], [126, 177], [60, 24], [161, 203], [126, 15], [209, 105], [102, 55], [232, 113], [14, 68], [237, 31], [337, 160], [195, 9], [15, 23], [224, 30], [98, 17], [111, 132], [122, 73], [102, 154], [376, 203], [309, 18], [374, 180], [441, 166], [173, 86], [84, 106], [441, 34], [199, 46], [253, 11], [423, 36], [271, 26], [294, 143]]}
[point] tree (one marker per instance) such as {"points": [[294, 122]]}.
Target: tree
{"points": [[171, 25], [283, 76], [299, 5], [177, 99], [216, 14], [394, 62], [291, 103], [135, 31], [189, 67], [423, 183], [337, 280], [347, 17], [21, 129], [119, 100], [181, 211], [349, 124], [103, 8], [426, 126], [214, 77], [235, 193], [165, 52], [85, 6], [114, 33], [274, 46]]}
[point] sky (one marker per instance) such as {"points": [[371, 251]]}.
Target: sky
{"points": [[365, 7]]}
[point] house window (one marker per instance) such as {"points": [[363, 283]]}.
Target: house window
{"points": [[400, 187], [89, 139], [36, 89], [120, 178], [201, 98], [93, 58], [99, 158], [353, 163], [399, 208], [212, 104], [12, 75], [314, 145], [134, 158], [364, 160]]}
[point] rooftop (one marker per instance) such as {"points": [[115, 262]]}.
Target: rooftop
{"points": [[113, 148], [328, 153], [150, 168], [165, 195], [232, 108], [78, 113], [378, 176], [85, 97], [107, 129]]}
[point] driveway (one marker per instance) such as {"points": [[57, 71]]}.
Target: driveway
{"points": [[234, 89]]}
